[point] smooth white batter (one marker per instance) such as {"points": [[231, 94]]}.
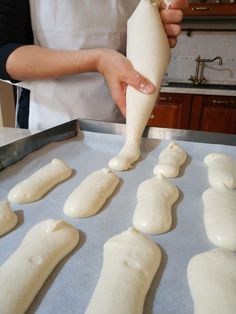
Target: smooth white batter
{"points": [[130, 261], [170, 160], [88, 198], [220, 216], [155, 198], [212, 282], [8, 217], [221, 170], [39, 183], [26, 270], [149, 52]]}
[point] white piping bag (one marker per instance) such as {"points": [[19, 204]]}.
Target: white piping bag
{"points": [[149, 52]]}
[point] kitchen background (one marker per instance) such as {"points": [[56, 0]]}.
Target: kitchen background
{"points": [[207, 102], [207, 38]]}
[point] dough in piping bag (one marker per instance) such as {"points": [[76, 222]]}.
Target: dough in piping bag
{"points": [[149, 52]]}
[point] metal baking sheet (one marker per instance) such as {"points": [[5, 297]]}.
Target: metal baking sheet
{"points": [[160, 133], [70, 286], [12, 152], [15, 151]]}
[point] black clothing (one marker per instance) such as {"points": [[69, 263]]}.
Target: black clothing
{"points": [[15, 31], [22, 116]]}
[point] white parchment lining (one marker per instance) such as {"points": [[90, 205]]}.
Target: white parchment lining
{"points": [[70, 286]]}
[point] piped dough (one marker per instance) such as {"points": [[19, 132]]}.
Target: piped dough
{"points": [[212, 282], [155, 198], [130, 261], [26, 270], [149, 52], [220, 216], [88, 198], [221, 170], [39, 183], [170, 160], [8, 218]]}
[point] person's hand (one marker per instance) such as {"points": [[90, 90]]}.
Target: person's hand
{"points": [[119, 73], [172, 18]]}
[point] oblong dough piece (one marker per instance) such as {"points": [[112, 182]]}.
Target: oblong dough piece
{"points": [[130, 261], [25, 271], [221, 170], [8, 218], [39, 183], [155, 198], [170, 160], [220, 217], [88, 198], [212, 282], [149, 52]]}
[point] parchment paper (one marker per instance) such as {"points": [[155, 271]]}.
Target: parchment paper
{"points": [[70, 286]]}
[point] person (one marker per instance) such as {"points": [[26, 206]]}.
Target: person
{"points": [[72, 57]]}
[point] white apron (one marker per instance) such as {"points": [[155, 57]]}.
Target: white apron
{"points": [[74, 25]]}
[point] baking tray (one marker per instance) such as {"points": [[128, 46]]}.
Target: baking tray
{"points": [[15, 151], [70, 286], [12, 152]]}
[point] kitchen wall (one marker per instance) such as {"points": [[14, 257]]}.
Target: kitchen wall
{"points": [[208, 44]]}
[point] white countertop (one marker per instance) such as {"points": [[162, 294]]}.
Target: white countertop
{"points": [[198, 91], [9, 135]]}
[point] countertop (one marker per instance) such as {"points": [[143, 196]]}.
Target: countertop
{"points": [[9, 135], [204, 89]]}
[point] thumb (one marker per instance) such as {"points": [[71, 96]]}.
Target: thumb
{"points": [[139, 82]]}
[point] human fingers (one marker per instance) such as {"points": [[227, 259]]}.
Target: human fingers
{"points": [[138, 81], [172, 30], [118, 95], [176, 4], [171, 16], [172, 41], [122, 71]]}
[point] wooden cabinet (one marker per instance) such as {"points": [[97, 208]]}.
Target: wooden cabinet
{"points": [[171, 111], [214, 114], [210, 9], [195, 112], [7, 105]]}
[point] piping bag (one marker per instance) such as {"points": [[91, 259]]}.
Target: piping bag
{"points": [[149, 52]]}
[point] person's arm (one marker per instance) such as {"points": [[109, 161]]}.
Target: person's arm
{"points": [[32, 62], [15, 26]]}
